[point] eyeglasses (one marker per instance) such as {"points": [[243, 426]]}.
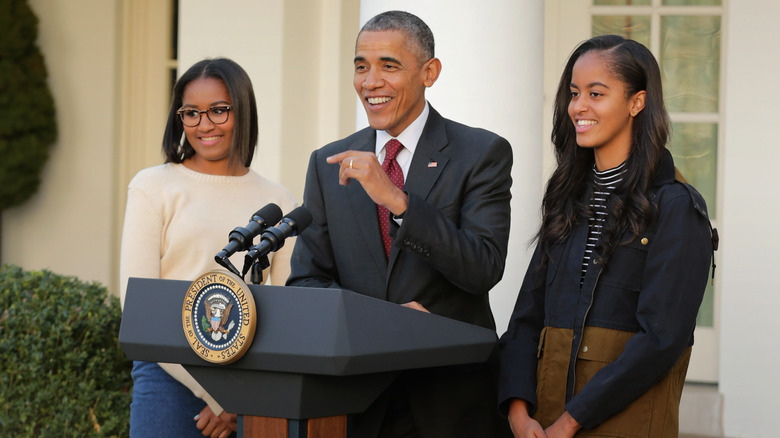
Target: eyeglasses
{"points": [[217, 114]]}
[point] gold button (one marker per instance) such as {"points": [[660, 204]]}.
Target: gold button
{"points": [[644, 241]]}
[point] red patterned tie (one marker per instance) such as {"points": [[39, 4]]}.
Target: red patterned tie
{"points": [[393, 170]]}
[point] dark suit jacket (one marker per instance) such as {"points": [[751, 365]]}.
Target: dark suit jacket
{"points": [[447, 254]]}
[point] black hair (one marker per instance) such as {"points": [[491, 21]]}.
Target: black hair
{"points": [[243, 108], [419, 33]]}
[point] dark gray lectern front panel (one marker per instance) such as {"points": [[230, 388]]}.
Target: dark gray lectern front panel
{"points": [[316, 352]]}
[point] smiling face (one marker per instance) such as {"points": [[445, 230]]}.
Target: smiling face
{"points": [[600, 110], [390, 79], [211, 142]]}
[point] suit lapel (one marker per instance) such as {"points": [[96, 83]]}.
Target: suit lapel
{"points": [[364, 209], [428, 161], [427, 165]]}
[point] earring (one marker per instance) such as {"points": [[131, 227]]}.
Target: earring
{"points": [[180, 149]]}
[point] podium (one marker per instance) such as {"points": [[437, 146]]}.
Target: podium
{"points": [[317, 356]]}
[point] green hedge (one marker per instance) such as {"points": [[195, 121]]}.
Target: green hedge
{"points": [[28, 122], [63, 372]]}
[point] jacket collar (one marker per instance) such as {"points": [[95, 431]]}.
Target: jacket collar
{"points": [[665, 172]]}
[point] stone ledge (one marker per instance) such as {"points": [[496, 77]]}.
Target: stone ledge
{"points": [[701, 411]]}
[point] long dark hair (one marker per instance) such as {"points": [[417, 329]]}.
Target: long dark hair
{"points": [[243, 108], [565, 199]]}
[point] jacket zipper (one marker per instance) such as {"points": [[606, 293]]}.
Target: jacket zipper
{"points": [[587, 311], [582, 333]]}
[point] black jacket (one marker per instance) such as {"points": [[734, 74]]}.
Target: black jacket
{"points": [[447, 254], [651, 287]]}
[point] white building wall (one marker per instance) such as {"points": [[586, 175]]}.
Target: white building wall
{"points": [[492, 66], [67, 225], [294, 53], [492, 77], [250, 33], [750, 301]]}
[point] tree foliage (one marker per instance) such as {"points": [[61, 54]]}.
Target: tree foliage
{"points": [[28, 126], [62, 371]]}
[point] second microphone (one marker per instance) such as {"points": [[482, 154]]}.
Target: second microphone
{"points": [[273, 238]]}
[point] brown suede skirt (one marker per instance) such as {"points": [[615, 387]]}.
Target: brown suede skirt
{"points": [[654, 414]]}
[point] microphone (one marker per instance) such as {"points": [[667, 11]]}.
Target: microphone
{"points": [[273, 238], [241, 237]]}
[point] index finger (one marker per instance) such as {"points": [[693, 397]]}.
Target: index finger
{"points": [[338, 157]]}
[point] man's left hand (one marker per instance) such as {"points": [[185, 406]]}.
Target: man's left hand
{"points": [[416, 306]]}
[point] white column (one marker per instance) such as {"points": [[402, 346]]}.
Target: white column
{"points": [[749, 250], [492, 77]]}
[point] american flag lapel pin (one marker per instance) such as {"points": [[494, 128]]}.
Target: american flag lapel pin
{"points": [[432, 164]]}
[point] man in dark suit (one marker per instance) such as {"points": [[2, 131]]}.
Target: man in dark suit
{"points": [[442, 204]]}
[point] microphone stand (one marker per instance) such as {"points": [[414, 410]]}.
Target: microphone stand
{"points": [[225, 263], [256, 274]]}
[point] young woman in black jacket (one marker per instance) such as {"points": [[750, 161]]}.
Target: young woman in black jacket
{"points": [[600, 337]]}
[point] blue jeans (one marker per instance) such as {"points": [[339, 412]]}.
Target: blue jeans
{"points": [[161, 407]]}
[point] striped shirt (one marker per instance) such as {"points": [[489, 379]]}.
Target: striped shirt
{"points": [[604, 184]]}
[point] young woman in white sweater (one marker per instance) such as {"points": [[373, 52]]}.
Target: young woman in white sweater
{"points": [[178, 217]]}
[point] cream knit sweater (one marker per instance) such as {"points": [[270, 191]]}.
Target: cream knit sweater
{"points": [[177, 219]]}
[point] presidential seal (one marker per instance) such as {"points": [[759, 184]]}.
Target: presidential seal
{"points": [[219, 317]]}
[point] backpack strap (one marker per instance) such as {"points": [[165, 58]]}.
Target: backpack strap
{"points": [[697, 204]]}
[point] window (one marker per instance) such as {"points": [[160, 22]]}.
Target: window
{"points": [[685, 37]]}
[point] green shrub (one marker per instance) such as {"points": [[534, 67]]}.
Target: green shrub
{"points": [[28, 124], [62, 371]]}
